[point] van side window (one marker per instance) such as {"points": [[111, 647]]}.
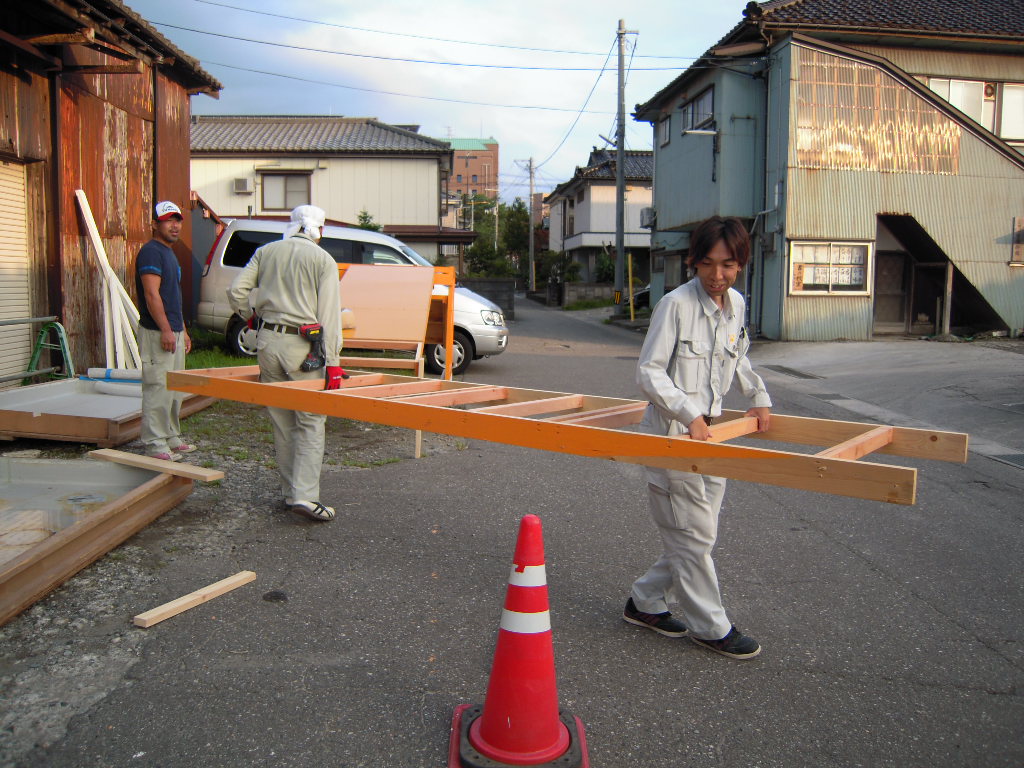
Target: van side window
{"points": [[243, 245], [382, 254], [342, 251]]}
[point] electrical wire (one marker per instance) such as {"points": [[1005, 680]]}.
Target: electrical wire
{"points": [[391, 58], [209, 63], [578, 114], [426, 37]]}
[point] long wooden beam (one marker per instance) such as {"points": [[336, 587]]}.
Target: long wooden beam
{"points": [[880, 482], [859, 446]]}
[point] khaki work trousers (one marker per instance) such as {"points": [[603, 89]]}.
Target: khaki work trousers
{"points": [[160, 430], [298, 436], [687, 519]]}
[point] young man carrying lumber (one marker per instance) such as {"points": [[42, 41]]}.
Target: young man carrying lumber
{"points": [[163, 340], [696, 345]]}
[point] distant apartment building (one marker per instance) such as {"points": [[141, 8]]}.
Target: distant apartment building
{"points": [[474, 167]]}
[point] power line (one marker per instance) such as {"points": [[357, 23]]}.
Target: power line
{"points": [[426, 37], [390, 58], [578, 114], [394, 93]]}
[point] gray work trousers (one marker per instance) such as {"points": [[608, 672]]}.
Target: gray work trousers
{"points": [[687, 519], [298, 436], [160, 430]]}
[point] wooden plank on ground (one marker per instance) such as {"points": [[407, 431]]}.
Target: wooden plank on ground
{"points": [[190, 471], [191, 600]]}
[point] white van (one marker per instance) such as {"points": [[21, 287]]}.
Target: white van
{"points": [[480, 329]]}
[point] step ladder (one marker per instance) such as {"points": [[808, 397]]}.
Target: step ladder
{"points": [[43, 341]]}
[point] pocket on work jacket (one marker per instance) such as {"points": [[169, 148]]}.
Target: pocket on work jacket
{"points": [[690, 364]]}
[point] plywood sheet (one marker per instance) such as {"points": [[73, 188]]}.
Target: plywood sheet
{"points": [[390, 303]]}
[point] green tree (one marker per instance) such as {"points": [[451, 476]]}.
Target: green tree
{"points": [[366, 221]]}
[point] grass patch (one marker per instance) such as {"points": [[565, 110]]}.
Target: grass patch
{"points": [[215, 358]]}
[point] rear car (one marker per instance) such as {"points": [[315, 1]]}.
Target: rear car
{"points": [[480, 329]]}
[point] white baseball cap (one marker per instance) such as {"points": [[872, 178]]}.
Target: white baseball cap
{"points": [[166, 209]]}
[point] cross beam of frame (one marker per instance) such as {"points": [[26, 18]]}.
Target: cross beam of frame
{"points": [[586, 425]]}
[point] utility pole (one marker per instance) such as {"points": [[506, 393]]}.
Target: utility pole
{"points": [[529, 229], [620, 166]]}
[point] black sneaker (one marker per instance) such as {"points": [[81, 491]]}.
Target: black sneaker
{"points": [[735, 645], [662, 623]]}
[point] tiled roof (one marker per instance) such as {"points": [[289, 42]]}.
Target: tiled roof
{"points": [[977, 17], [601, 165], [970, 25], [305, 133]]}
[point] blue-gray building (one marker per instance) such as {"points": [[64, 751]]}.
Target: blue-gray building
{"points": [[875, 148]]}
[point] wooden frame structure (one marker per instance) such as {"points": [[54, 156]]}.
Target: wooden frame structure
{"points": [[62, 551], [72, 410], [586, 425]]}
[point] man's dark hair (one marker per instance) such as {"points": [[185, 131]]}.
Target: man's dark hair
{"points": [[729, 230]]}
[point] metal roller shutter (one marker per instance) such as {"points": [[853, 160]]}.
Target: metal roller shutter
{"points": [[15, 340]]}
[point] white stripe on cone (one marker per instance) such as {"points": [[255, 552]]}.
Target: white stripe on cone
{"points": [[526, 623], [530, 576]]}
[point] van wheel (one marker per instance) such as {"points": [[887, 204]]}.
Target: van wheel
{"points": [[235, 338], [462, 354]]}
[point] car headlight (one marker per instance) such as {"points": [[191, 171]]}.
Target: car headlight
{"points": [[490, 317]]}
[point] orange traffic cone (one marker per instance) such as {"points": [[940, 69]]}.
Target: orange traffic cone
{"points": [[519, 723]]}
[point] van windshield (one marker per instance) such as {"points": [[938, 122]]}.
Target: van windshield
{"points": [[416, 258]]}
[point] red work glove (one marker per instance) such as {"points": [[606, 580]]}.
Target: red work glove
{"points": [[333, 375], [253, 322]]}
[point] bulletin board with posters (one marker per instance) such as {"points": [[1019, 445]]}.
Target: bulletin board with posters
{"points": [[817, 268]]}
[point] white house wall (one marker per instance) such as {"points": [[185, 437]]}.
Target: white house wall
{"points": [[394, 191]]}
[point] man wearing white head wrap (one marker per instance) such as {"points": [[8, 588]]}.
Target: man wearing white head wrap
{"points": [[308, 219], [297, 284]]}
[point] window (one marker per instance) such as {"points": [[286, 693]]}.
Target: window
{"points": [[382, 254], [282, 192], [700, 112], [1012, 121], [974, 98], [852, 116], [243, 245], [665, 131], [829, 268], [474, 178], [458, 178]]}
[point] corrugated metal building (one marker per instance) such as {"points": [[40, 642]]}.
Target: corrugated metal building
{"points": [[92, 98], [876, 151]]}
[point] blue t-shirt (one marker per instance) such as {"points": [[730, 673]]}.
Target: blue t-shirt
{"points": [[156, 258]]}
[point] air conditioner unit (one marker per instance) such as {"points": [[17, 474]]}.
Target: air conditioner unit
{"points": [[243, 186], [648, 218]]}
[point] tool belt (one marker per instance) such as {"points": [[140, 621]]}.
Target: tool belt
{"points": [[281, 328]]}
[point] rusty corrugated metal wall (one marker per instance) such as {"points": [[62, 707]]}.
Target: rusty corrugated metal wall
{"points": [[109, 126]]}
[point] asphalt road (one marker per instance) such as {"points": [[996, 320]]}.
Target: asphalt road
{"points": [[889, 632]]}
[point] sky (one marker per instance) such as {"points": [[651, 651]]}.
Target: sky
{"points": [[536, 83]]}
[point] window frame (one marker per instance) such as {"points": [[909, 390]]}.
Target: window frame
{"points": [[833, 263], [665, 130], [285, 175], [689, 113]]}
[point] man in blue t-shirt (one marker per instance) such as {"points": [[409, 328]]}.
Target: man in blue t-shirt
{"points": [[163, 340]]}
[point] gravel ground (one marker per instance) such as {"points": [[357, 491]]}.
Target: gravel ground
{"points": [[67, 651]]}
